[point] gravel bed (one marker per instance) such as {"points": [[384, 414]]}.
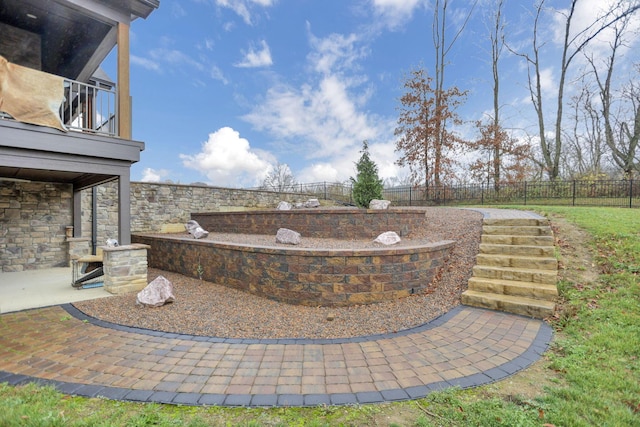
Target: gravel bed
{"points": [[207, 309]]}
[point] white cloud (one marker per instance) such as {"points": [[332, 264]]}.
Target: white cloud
{"points": [[394, 13], [319, 172], [256, 58], [217, 74], [547, 81], [325, 119], [586, 13], [384, 156], [177, 10], [174, 57], [145, 63], [227, 160], [334, 53], [153, 175], [243, 7], [341, 168]]}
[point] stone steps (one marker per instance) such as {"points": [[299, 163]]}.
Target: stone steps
{"points": [[512, 304], [518, 262], [515, 270], [514, 288], [517, 250]]}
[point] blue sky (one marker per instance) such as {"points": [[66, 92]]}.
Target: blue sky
{"points": [[224, 89]]}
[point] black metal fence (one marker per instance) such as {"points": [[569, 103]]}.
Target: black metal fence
{"points": [[613, 193]]}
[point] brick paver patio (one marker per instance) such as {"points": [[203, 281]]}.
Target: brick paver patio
{"points": [[83, 356]]}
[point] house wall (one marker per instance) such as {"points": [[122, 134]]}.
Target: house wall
{"points": [[33, 217]]}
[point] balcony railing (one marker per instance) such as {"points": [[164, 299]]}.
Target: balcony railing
{"points": [[89, 108]]}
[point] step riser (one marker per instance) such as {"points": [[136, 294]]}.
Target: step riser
{"points": [[517, 240], [545, 277], [533, 251], [516, 222], [515, 262], [510, 307], [521, 289], [516, 231]]}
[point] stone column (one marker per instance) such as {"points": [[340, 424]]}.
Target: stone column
{"points": [[125, 268]]}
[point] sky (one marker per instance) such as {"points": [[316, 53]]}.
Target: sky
{"points": [[224, 90]]}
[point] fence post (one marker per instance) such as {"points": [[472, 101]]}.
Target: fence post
{"points": [[409, 195], [482, 194], [630, 192], [525, 193], [325, 190], [573, 196]]}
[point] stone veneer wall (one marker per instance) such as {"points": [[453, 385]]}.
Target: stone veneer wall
{"points": [[33, 217], [334, 223], [302, 276], [154, 205]]}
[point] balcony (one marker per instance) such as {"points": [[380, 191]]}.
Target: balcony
{"points": [[86, 107], [90, 108]]}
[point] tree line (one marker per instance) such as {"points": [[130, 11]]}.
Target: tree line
{"points": [[574, 138], [589, 132]]}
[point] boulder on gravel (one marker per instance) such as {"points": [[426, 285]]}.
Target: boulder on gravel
{"points": [[388, 238], [379, 204], [157, 293], [284, 206], [195, 230], [286, 236], [312, 203]]}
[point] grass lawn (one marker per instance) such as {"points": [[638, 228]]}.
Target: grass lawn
{"points": [[590, 376]]}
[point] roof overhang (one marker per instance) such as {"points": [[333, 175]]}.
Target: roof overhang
{"points": [[75, 35]]}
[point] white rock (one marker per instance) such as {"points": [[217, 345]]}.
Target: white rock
{"points": [[157, 293], [388, 238], [195, 230], [284, 206], [312, 203], [379, 204], [111, 243], [286, 236]]}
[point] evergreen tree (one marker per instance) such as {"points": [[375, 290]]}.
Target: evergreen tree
{"points": [[366, 186]]}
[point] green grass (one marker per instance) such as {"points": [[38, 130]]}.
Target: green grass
{"points": [[593, 362]]}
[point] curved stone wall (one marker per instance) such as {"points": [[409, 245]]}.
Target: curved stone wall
{"points": [[348, 223], [301, 276]]}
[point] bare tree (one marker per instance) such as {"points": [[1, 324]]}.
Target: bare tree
{"points": [[496, 36], [623, 145], [442, 49], [574, 42], [585, 151], [279, 179]]}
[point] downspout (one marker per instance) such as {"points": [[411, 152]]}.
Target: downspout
{"points": [[94, 219]]}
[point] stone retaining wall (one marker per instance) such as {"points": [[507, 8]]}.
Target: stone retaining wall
{"points": [[324, 223], [301, 276]]}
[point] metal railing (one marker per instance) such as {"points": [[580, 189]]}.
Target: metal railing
{"points": [[89, 108], [609, 193]]}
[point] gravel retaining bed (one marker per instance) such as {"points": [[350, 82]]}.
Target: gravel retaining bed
{"points": [[207, 309]]}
